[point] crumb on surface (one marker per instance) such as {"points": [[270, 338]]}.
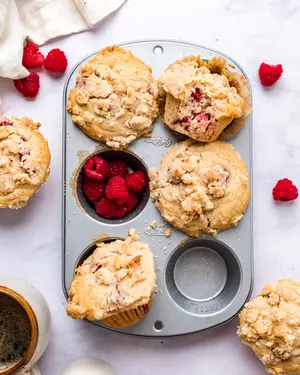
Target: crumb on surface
{"points": [[153, 224], [132, 233], [168, 232]]}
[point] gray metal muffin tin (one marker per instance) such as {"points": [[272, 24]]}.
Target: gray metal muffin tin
{"points": [[201, 282]]}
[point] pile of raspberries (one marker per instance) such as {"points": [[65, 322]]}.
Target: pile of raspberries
{"points": [[55, 62], [111, 187]]}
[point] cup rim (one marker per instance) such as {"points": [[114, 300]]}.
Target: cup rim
{"points": [[34, 329]]}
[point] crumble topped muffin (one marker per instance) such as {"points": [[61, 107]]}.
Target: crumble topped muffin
{"points": [[115, 98], [24, 161], [203, 98], [270, 325], [115, 284], [201, 188]]}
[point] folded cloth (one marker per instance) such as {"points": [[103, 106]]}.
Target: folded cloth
{"points": [[42, 20]]}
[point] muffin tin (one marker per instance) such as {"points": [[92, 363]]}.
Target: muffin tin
{"points": [[201, 282]]}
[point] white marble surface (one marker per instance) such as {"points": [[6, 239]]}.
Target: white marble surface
{"points": [[251, 31]]}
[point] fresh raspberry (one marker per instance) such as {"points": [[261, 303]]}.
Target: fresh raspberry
{"points": [[284, 190], [94, 190], [269, 74], [121, 201], [32, 57], [118, 168], [29, 86], [96, 168], [116, 190], [56, 61], [196, 95], [132, 201], [136, 181], [110, 209]]}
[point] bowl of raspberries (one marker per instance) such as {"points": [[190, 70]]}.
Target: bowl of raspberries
{"points": [[113, 186]]}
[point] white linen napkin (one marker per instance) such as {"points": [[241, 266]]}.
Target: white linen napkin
{"points": [[42, 20]]}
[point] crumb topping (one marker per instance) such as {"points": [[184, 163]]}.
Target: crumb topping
{"points": [[24, 162], [200, 100], [115, 98], [193, 184], [270, 324], [118, 276]]}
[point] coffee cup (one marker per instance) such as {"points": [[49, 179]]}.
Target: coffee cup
{"points": [[25, 326]]}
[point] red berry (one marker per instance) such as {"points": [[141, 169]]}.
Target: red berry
{"points": [[118, 168], [94, 190], [284, 190], [269, 74], [196, 95], [29, 86], [116, 189], [136, 181], [202, 117], [96, 168], [132, 201], [185, 121], [121, 201], [110, 209], [32, 57], [56, 61], [5, 121]]}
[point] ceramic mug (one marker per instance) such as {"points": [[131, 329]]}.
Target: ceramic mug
{"points": [[38, 315]]}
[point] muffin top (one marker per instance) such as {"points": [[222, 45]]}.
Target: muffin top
{"points": [[201, 188], [115, 98], [202, 98], [270, 325], [117, 277], [24, 161]]}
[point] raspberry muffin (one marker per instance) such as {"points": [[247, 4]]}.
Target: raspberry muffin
{"points": [[270, 325], [203, 98], [115, 284], [201, 188], [115, 98], [24, 161]]}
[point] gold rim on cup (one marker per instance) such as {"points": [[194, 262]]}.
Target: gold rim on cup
{"points": [[34, 329]]}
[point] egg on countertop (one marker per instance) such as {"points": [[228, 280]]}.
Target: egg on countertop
{"points": [[89, 366]]}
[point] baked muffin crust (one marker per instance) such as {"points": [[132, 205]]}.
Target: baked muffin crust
{"points": [[115, 98], [201, 188], [24, 161], [117, 277], [270, 325], [202, 98]]}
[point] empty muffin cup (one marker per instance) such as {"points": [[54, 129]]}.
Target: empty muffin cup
{"points": [[203, 276]]}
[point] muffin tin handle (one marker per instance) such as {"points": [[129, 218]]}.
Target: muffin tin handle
{"points": [[158, 50]]}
